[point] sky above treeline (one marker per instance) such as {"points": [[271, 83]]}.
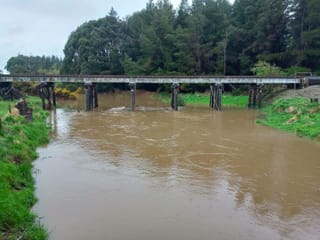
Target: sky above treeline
{"points": [[42, 27]]}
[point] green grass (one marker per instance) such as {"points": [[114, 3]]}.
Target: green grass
{"points": [[18, 142], [297, 115], [33, 102], [4, 106], [204, 99]]}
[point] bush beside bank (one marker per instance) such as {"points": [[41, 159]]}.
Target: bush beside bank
{"points": [[19, 140], [297, 115]]}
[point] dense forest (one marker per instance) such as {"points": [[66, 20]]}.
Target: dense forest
{"points": [[206, 37]]}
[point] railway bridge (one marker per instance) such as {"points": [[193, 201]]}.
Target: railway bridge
{"points": [[47, 84]]}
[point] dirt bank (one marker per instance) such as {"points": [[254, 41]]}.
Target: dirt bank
{"points": [[309, 92]]}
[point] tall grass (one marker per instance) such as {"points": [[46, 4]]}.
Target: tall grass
{"points": [[297, 115], [18, 142]]}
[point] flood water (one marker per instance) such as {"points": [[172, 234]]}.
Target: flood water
{"points": [[156, 174]]}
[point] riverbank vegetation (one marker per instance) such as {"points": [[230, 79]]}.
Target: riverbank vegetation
{"points": [[62, 92], [297, 115], [228, 100], [19, 140]]}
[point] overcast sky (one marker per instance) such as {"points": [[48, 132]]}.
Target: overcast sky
{"points": [[42, 27]]}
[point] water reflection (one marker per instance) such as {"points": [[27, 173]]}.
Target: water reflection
{"points": [[218, 172]]}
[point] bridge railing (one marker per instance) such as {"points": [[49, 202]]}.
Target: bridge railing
{"points": [[149, 79]]}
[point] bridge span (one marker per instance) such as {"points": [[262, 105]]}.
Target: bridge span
{"points": [[149, 79], [46, 85]]}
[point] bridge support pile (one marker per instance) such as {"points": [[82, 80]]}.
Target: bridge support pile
{"points": [[174, 96], [216, 96], [133, 89], [91, 96], [46, 92], [255, 96], [8, 92]]}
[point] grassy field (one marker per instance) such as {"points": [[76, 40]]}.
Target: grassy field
{"points": [[204, 99], [18, 142], [296, 115], [33, 102], [4, 106]]}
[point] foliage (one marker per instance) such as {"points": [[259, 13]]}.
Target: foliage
{"points": [[34, 65], [292, 71], [262, 68], [206, 37], [19, 140], [305, 33], [296, 115], [153, 41], [95, 47], [4, 107], [67, 94]]}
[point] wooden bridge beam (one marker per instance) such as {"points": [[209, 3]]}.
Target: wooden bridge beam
{"points": [[91, 96], [216, 96], [174, 96], [212, 96], [133, 88], [219, 88], [46, 92], [259, 95], [255, 95]]}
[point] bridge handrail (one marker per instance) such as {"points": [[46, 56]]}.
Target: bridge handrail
{"points": [[147, 79]]}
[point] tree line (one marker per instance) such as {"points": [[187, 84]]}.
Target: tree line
{"points": [[34, 65], [206, 37]]}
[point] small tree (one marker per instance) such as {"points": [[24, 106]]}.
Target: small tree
{"points": [[263, 69]]}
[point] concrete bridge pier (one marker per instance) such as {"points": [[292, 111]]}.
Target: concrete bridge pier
{"points": [[255, 95], [174, 96], [133, 89], [216, 96], [91, 96], [46, 92]]}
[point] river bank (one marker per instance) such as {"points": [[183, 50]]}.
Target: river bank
{"points": [[297, 115], [19, 140], [228, 100], [292, 111]]}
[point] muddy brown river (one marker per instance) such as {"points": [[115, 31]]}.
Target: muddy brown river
{"points": [[156, 174]]}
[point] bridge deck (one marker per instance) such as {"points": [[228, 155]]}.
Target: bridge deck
{"points": [[148, 79]]}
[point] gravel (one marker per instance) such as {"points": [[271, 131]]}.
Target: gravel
{"points": [[308, 92]]}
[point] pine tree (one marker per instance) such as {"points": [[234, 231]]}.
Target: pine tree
{"points": [[305, 32]]}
